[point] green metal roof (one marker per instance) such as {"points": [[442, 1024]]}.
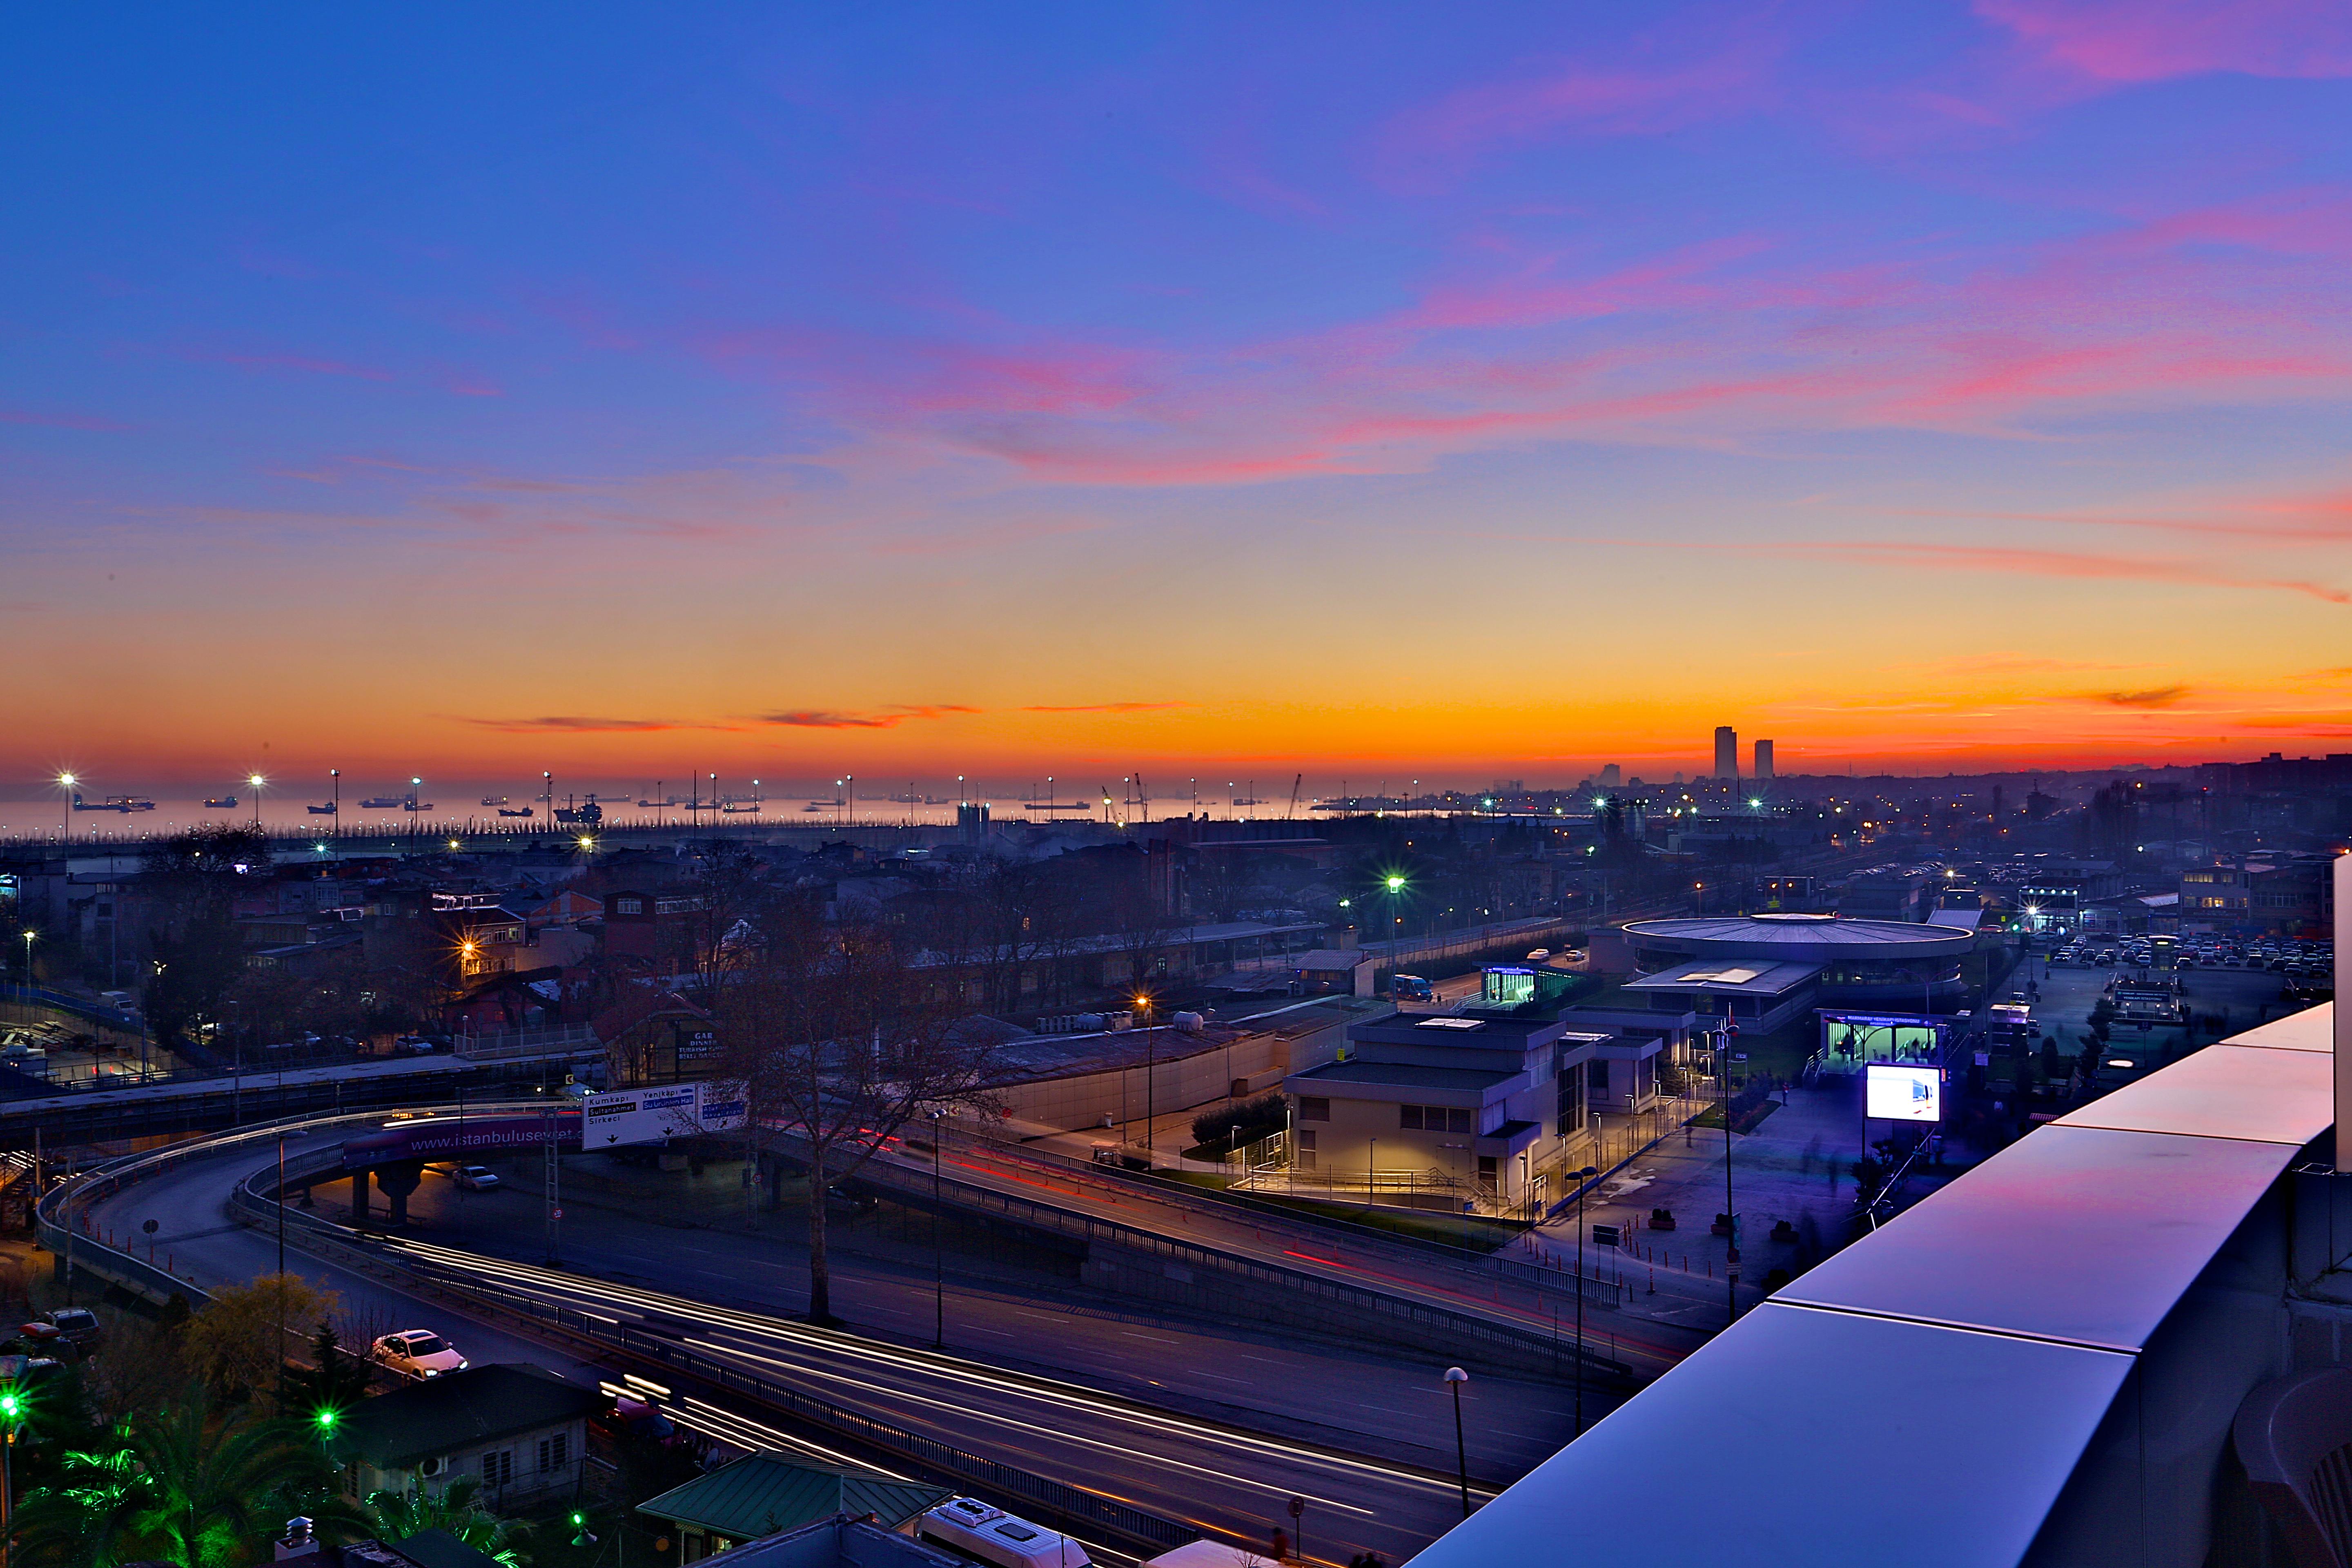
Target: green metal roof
{"points": [[766, 1493]]}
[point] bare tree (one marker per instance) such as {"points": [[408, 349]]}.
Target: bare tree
{"points": [[726, 890], [838, 1038]]}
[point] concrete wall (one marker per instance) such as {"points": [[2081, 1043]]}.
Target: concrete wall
{"points": [[1196, 1078]]}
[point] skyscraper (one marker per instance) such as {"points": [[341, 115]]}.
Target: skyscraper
{"points": [[1726, 751], [1763, 760], [1611, 776]]}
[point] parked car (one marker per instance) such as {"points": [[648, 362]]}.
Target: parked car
{"points": [[415, 1044], [30, 1372], [41, 1337], [79, 1325], [474, 1178], [418, 1352]]}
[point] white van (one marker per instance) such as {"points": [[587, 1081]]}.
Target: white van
{"points": [[994, 1535]]}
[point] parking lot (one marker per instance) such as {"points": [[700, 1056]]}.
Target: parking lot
{"points": [[2222, 1001]]}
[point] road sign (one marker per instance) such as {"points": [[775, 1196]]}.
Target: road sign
{"points": [[1608, 1236]]}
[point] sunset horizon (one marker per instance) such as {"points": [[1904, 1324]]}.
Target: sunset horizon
{"points": [[973, 399]]}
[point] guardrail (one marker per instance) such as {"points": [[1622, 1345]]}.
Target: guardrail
{"points": [[54, 1212], [653, 1350], [1600, 1291], [1358, 1303]]}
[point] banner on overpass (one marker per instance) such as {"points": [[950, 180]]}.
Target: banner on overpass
{"points": [[457, 1137], [629, 1116]]}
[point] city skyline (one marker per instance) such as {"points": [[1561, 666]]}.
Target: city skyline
{"points": [[926, 395]]}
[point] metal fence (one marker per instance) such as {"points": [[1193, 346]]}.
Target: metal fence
{"points": [[526, 1043]]}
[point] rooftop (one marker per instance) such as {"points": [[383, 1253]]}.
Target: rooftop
{"points": [[449, 1412], [765, 1492], [2056, 1342], [1401, 1075], [1803, 939], [1714, 977]]}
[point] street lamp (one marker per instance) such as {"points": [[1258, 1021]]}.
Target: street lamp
{"points": [[939, 1265], [1150, 1075], [29, 937], [254, 783], [1455, 1378], [1730, 1216], [1582, 1176], [66, 783], [12, 1411]]}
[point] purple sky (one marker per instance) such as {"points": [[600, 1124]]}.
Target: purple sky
{"points": [[1448, 389]]}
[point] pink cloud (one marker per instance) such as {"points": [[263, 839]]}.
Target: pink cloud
{"points": [[1641, 95], [2150, 40]]}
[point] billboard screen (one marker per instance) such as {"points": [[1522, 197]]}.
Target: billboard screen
{"points": [[1899, 1093]]}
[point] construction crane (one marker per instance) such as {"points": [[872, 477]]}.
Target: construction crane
{"points": [[1294, 798], [1142, 801], [1107, 803]]}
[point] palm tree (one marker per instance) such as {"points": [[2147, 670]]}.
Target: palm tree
{"points": [[455, 1507], [187, 1485]]}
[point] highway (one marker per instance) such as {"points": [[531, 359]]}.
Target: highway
{"points": [[1177, 1463], [1364, 1261]]}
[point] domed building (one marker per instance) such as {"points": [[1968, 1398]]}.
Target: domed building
{"points": [[1765, 971]]}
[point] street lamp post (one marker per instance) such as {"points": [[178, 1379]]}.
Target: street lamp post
{"points": [[1724, 1033], [939, 1265], [66, 783], [1150, 1080], [254, 783], [12, 1411], [1582, 1176], [1455, 1378]]}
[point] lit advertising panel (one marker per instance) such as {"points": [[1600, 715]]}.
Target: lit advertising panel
{"points": [[1898, 1092]]}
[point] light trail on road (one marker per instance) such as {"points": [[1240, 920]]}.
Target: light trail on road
{"points": [[1238, 1481]]}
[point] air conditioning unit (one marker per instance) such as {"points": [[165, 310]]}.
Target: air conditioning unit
{"points": [[432, 1468]]}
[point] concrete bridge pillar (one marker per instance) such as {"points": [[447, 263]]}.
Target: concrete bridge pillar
{"points": [[396, 1182], [359, 1199]]}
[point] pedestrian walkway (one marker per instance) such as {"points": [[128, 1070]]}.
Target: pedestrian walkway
{"points": [[1797, 1165]]}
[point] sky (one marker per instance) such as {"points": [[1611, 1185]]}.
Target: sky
{"points": [[1461, 392]]}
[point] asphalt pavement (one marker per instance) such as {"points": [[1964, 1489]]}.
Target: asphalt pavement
{"points": [[1381, 1482]]}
